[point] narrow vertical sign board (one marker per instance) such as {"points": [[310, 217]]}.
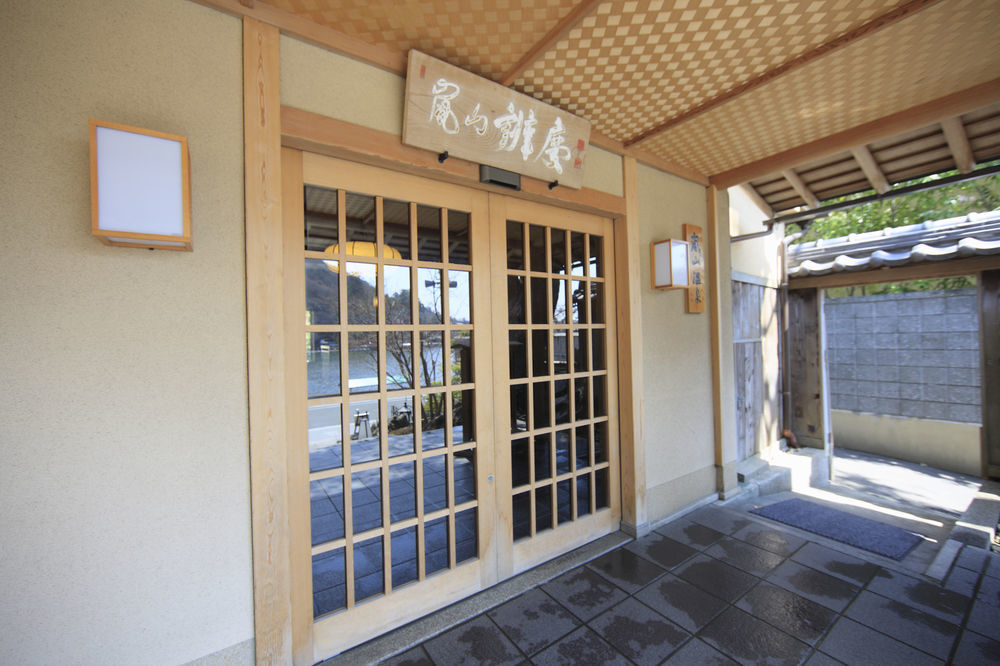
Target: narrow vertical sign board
{"points": [[696, 268], [450, 109]]}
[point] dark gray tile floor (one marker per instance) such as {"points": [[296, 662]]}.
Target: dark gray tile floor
{"points": [[717, 587]]}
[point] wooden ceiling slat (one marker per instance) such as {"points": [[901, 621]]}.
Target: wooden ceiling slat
{"points": [[910, 149], [915, 161], [922, 170], [849, 184], [830, 170], [958, 143]]}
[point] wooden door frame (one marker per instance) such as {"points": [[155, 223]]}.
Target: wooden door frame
{"points": [[268, 128]]}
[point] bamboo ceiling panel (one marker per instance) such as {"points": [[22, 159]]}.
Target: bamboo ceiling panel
{"points": [[484, 37], [899, 67], [631, 65]]}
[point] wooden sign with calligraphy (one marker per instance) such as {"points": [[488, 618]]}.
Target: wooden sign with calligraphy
{"points": [[697, 275], [450, 109]]}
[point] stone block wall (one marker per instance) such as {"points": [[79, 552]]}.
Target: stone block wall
{"points": [[914, 355]]}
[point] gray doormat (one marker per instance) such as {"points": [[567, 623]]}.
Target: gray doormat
{"points": [[870, 535]]}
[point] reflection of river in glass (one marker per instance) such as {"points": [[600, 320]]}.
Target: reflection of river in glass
{"points": [[323, 370]]}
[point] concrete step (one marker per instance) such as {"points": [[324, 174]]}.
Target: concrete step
{"points": [[758, 477]]}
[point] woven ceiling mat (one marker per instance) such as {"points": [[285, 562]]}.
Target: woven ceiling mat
{"points": [[941, 50], [629, 66], [485, 37]]}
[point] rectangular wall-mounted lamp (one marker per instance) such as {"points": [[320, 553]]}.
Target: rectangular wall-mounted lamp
{"points": [[140, 187], [669, 264]]}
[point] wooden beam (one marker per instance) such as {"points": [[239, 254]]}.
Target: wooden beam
{"points": [[327, 136], [800, 186], [551, 38], [265, 343], [927, 270], [916, 117], [958, 143], [319, 35], [751, 193], [871, 169], [876, 24], [669, 166]]}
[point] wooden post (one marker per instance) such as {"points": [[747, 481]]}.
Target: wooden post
{"points": [[265, 343], [989, 327], [805, 355]]}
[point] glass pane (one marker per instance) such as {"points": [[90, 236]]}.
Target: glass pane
{"points": [[398, 309], [436, 545], [366, 498], [540, 353], [463, 422], [579, 253], [582, 444], [520, 461], [458, 237], [579, 301], [582, 394], [325, 435], [428, 233], [432, 420], [399, 360], [364, 431], [396, 229], [461, 357], [596, 303], [400, 426], [326, 500], [543, 457], [600, 397], [362, 351], [320, 218], [580, 350], [515, 299], [601, 488], [596, 256], [402, 492], [459, 303], [539, 302], [560, 352], [322, 364], [431, 358], [543, 509], [522, 515], [322, 292], [464, 475], [600, 443], [435, 484], [362, 298], [519, 408], [558, 301], [360, 224], [583, 495], [368, 577], [564, 459], [558, 238], [429, 295], [536, 240], [404, 556], [564, 500], [541, 404], [515, 245], [562, 401], [518, 354], [329, 582], [466, 537], [597, 336]]}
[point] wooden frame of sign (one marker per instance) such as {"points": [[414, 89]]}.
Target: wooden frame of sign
{"points": [[451, 110], [697, 275]]}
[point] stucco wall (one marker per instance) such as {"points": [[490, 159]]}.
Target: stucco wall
{"points": [[757, 257], [323, 82], [124, 469], [676, 357]]}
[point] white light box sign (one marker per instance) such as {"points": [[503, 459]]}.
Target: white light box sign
{"points": [[669, 264], [140, 187]]}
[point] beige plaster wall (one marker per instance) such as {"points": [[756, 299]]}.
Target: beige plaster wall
{"points": [[317, 80], [942, 444], [124, 474], [676, 355], [758, 257]]}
